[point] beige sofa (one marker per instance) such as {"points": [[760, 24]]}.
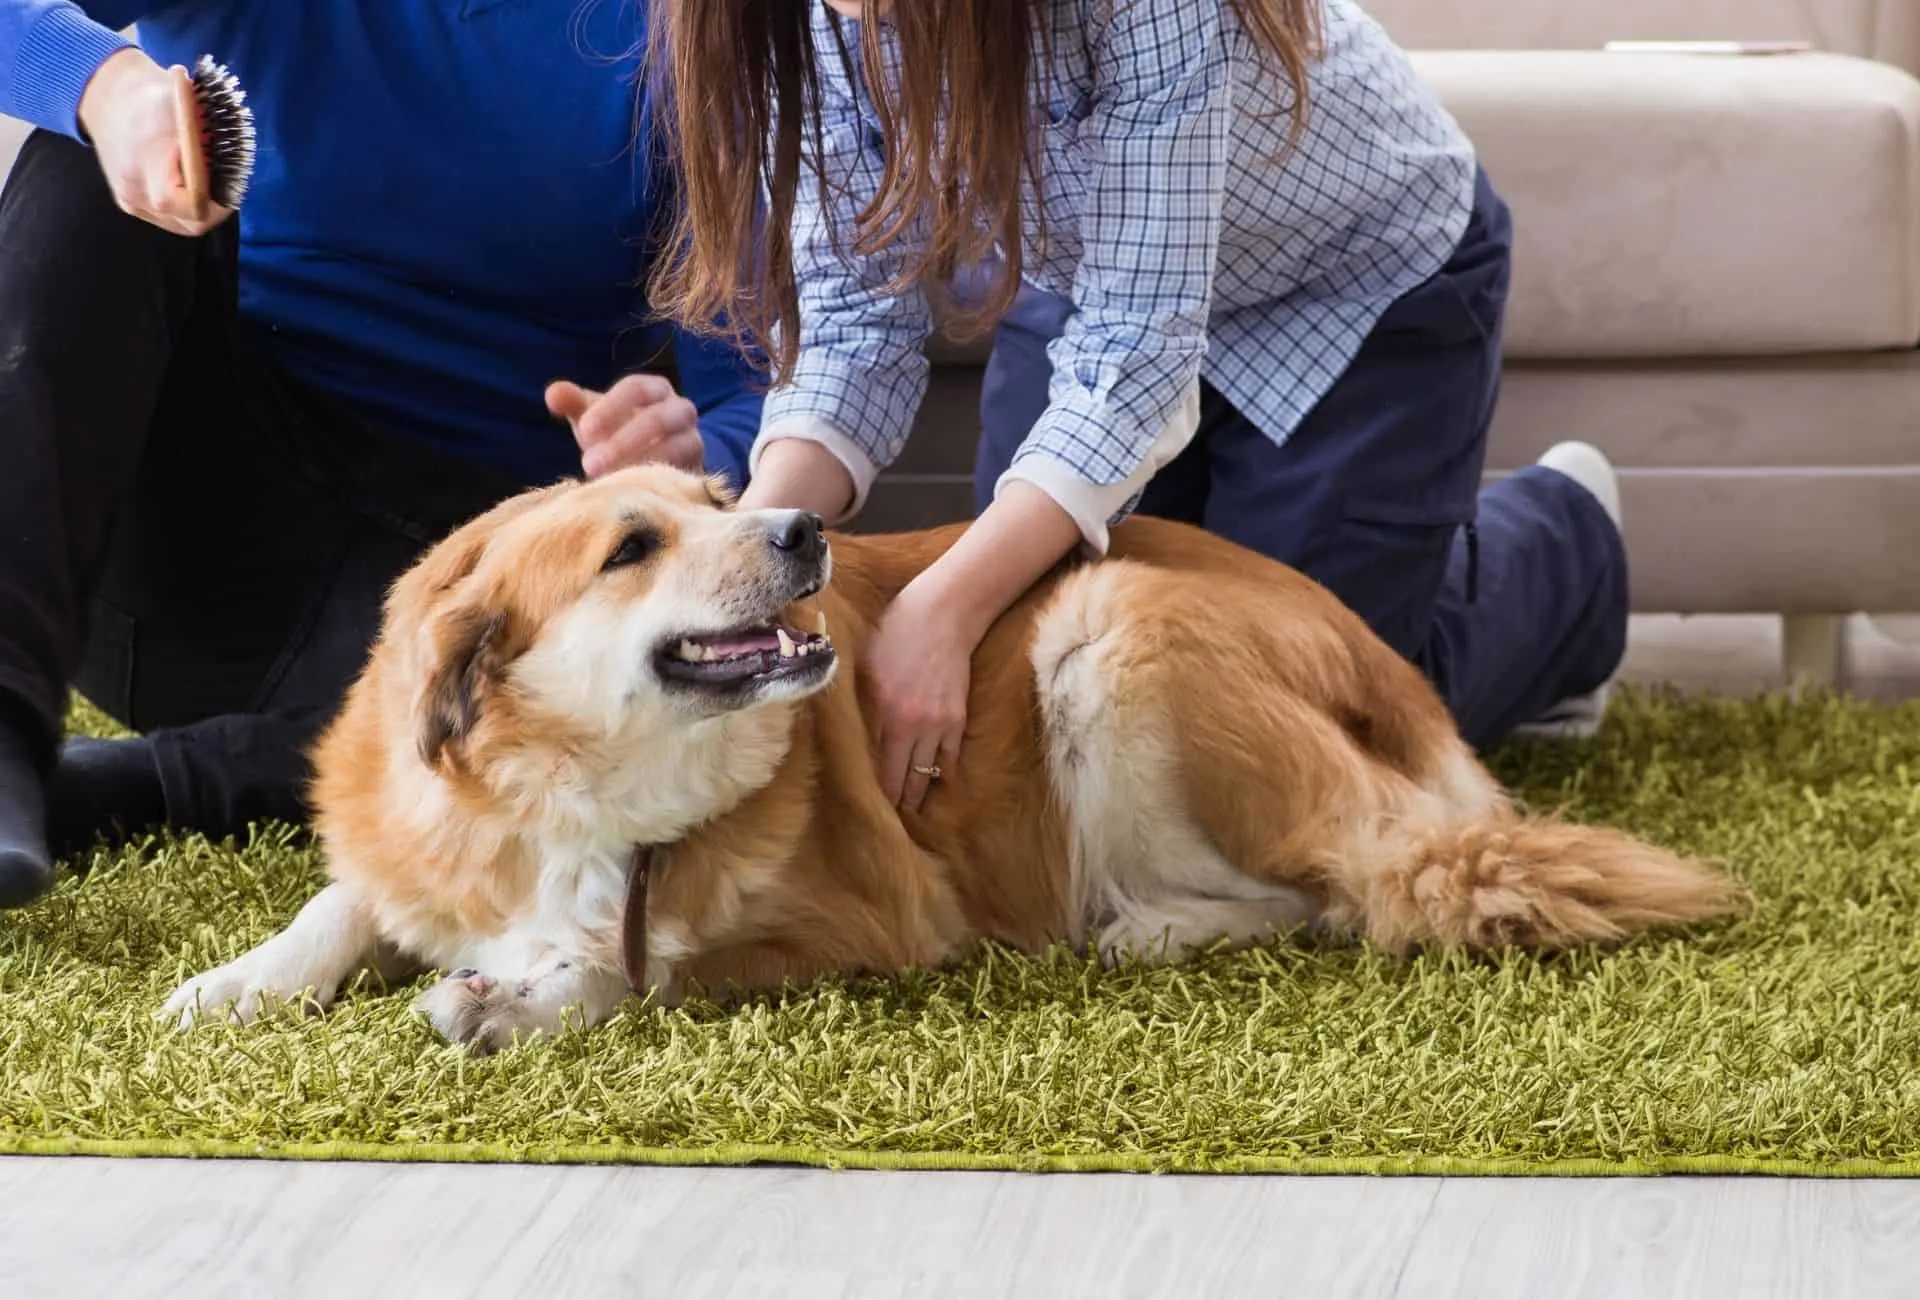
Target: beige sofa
{"points": [[1717, 280]]}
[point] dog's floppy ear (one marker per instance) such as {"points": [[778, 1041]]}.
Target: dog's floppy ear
{"points": [[469, 662]]}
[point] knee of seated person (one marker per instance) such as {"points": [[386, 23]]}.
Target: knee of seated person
{"points": [[56, 198], [51, 165]]}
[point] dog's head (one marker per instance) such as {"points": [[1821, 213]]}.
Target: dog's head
{"points": [[612, 613]]}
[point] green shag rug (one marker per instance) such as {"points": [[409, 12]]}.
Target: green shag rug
{"points": [[1788, 1042]]}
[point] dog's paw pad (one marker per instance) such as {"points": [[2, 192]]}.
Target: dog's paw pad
{"points": [[478, 1012]]}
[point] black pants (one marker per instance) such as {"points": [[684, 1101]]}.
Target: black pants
{"points": [[195, 543]]}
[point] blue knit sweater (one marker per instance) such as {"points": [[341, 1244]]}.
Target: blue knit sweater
{"points": [[451, 206]]}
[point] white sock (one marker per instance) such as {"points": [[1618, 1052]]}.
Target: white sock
{"points": [[1578, 717], [1588, 466]]}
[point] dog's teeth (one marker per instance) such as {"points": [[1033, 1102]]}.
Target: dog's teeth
{"points": [[689, 652], [786, 642], [820, 625], [708, 653]]}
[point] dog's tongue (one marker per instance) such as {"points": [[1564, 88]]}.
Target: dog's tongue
{"points": [[746, 643]]}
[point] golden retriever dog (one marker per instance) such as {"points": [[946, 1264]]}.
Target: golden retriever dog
{"points": [[1176, 746]]}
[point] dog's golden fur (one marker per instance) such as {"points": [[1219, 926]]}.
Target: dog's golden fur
{"points": [[1181, 743]]}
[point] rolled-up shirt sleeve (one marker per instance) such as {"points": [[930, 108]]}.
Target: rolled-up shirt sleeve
{"points": [[1124, 394], [862, 368]]}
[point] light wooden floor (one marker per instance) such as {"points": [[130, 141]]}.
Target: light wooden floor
{"points": [[71, 1229], [172, 1230]]}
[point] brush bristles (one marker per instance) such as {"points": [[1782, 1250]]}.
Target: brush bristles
{"points": [[226, 131]]}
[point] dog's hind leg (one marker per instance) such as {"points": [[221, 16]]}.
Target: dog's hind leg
{"points": [[1357, 786], [1210, 742], [1177, 925], [1146, 879]]}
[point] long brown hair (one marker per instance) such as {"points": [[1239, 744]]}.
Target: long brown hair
{"points": [[739, 101]]}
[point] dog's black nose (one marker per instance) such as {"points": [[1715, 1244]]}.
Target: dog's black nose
{"points": [[801, 534]]}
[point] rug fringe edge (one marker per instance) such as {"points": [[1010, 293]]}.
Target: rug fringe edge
{"points": [[722, 1156]]}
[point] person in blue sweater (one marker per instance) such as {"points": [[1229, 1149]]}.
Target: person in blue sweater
{"points": [[227, 433]]}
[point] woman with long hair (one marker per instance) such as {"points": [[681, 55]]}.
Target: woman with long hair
{"points": [[1242, 270]]}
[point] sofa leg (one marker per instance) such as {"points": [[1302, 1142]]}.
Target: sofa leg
{"points": [[1904, 628], [1810, 651]]}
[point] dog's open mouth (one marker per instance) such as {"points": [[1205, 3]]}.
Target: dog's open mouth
{"points": [[748, 655]]}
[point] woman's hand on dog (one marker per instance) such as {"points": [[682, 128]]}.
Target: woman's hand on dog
{"points": [[920, 663], [639, 421], [918, 669]]}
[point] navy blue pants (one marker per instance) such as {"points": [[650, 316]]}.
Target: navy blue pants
{"points": [[1508, 599]]}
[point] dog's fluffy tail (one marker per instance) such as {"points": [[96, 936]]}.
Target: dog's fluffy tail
{"points": [[1510, 881]]}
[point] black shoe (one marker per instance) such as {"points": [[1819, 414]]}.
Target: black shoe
{"points": [[26, 872], [26, 865], [103, 789]]}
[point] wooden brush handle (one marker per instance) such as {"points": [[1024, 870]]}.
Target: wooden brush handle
{"points": [[193, 151]]}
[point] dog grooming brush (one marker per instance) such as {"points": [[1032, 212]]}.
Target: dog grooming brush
{"points": [[216, 134]]}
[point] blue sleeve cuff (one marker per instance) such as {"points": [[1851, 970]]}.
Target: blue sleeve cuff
{"points": [[51, 68], [728, 439]]}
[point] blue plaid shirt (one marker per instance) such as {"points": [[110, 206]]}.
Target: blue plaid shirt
{"points": [[1187, 251]]}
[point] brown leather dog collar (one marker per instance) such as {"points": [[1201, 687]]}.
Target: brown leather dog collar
{"points": [[647, 859]]}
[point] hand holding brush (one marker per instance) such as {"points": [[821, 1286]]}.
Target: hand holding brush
{"points": [[176, 148]]}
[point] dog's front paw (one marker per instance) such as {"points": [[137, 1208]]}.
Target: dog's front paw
{"points": [[481, 1013], [243, 990]]}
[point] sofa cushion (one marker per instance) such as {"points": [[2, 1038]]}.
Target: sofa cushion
{"points": [[1692, 206], [1888, 30], [1698, 206], [1751, 486]]}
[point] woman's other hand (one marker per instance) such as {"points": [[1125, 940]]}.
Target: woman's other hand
{"points": [[129, 116], [639, 421]]}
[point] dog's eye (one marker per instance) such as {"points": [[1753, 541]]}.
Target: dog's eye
{"points": [[633, 548]]}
